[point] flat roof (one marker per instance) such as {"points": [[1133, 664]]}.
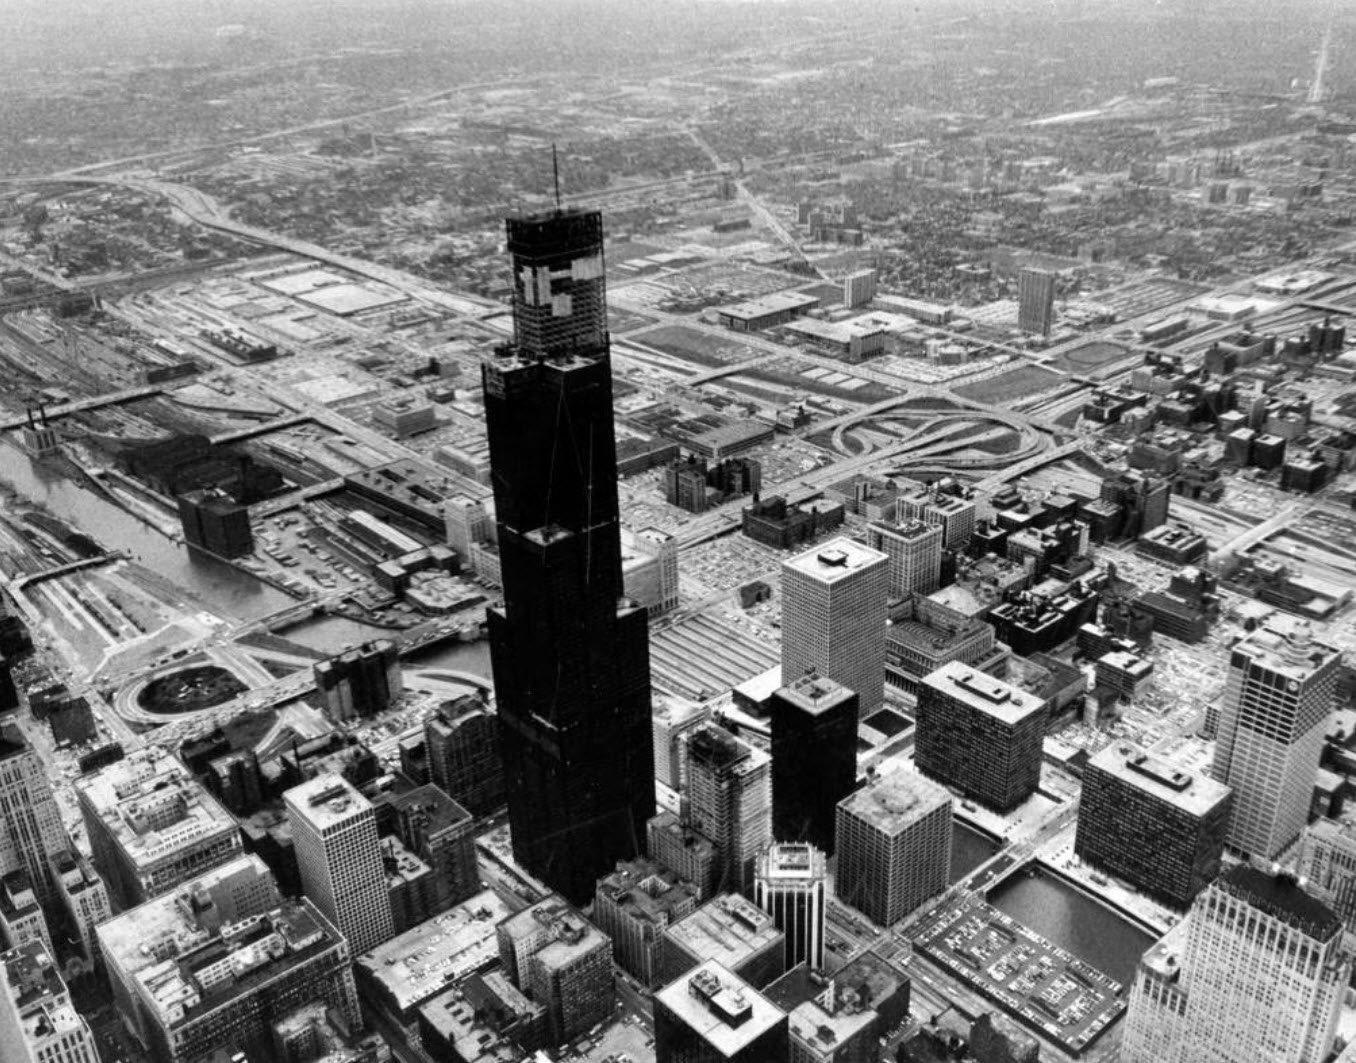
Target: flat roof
{"points": [[790, 861], [647, 891], [773, 303], [425, 959], [1191, 792], [326, 800], [1281, 897], [1283, 644], [725, 1010], [45, 1010], [165, 918], [896, 801], [814, 693], [150, 786], [836, 559], [727, 929], [1049, 989], [984, 693]]}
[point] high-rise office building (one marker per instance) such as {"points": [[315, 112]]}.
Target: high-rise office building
{"points": [[711, 1016], [361, 681], [1254, 974], [30, 821], [789, 886], [1276, 704], [833, 618], [83, 896], [466, 523], [38, 1024], [1156, 826], [673, 716], [859, 287], [634, 906], [462, 739], [21, 916], [955, 514], [334, 830], [570, 656], [1327, 864], [151, 826], [980, 735], [1036, 301], [675, 845], [814, 758], [563, 962], [441, 833], [729, 800], [215, 522], [915, 552], [650, 570], [894, 846]]}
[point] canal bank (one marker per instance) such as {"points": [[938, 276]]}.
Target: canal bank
{"points": [[1075, 921], [226, 590]]}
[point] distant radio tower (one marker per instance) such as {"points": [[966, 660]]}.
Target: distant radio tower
{"points": [[1316, 90]]}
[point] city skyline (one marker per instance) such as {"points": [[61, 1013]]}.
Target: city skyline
{"points": [[784, 532]]}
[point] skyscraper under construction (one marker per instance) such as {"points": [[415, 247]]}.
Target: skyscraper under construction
{"points": [[570, 657]]}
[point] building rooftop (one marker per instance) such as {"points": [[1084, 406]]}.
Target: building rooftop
{"points": [[431, 803], [152, 806], [326, 800], [727, 929], [647, 891], [569, 934], [984, 693], [177, 921], [1280, 896], [838, 558], [1284, 644], [815, 694], [236, 959], [1125, 661], [773, 303], [713, 746], [909, 531], [789, 861], [74, 872], [726, 1011], [36, 988], [476, 1014], [1195, 794], [895, 802], [829, 1019], [422, 961], [12, 741]]}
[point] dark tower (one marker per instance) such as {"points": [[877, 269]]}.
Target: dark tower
{"points": [[814, 758], [571, 659]]}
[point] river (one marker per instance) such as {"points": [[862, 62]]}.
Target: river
{"points": [[334, 634], [223, 588], [1072, 920], [969, 849]]}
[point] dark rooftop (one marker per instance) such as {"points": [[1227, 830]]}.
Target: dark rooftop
{"points": [[1282, 897], [12, 741]]}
